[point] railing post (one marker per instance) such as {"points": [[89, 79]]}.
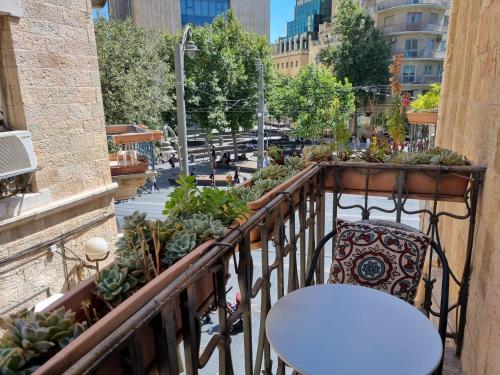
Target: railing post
{"points": [[190, 329], [245, 279]]}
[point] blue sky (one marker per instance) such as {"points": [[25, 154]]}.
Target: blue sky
{"points": [[281, 12]]}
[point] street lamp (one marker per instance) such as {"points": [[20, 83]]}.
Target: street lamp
{"points": [[96, 250], [189, 47]]}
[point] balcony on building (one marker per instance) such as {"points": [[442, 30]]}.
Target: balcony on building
{"points": [[386, 5]]}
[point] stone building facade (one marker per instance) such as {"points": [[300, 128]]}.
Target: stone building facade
{"points": [[49, 81], [469, 123]]}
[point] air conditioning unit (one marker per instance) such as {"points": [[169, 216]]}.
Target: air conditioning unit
{"points": [[17, 155]]}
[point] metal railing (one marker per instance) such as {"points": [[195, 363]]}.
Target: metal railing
{"points": [[387, 4], [290, 226], [420, 26]]}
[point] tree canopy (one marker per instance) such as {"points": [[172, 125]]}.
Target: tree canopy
{"points": [[361, 53], [316, 101], [136, 73], [428, 101]]}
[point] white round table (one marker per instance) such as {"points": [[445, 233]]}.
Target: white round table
{"points": [[352, 330]]}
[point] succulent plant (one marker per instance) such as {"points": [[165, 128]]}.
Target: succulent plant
{"points": [[296, 163], [180, 245], [167, 228], [31, 335], [319, 153], [433, 156], [134, 227], [13, 362], [263, 186], [204, 226], [249, 194], [114, 284], [275, 172]]}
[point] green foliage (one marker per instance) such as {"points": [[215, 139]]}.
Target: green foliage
{"points": [[222, 91], [136, 75], [114, 284], [317, 102], [248, 194], [204, 226], [319, 153], [362, 52], [428, 101], [187, 200], [181, 244], [31, 338], [275, 153], [433, 156], [295, 163], [395, 120]]}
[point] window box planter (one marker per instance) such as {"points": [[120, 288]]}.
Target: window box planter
{"points": [[116, 170], [268, 197], [429, 118], [63, 360], [447, 183]]}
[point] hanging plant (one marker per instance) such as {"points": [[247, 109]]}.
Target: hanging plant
{"points": [[396, 117]]}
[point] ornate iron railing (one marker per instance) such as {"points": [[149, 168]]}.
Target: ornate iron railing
{"points": [[290, 227]]}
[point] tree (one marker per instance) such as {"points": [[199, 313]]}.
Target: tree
{"points": [[222, 87], [136, 77], [361, 54], [317, 102]]}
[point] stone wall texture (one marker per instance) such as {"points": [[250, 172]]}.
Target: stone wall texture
{"points": [[49, 76], [469, 122]]}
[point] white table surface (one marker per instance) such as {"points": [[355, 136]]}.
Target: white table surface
{"points": [[352, 330]]}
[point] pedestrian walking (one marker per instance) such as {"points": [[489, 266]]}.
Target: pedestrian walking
{"points": [[171, 161], [236, 178], [265, 162], [153, 184], [212, 178], [193, 172]]}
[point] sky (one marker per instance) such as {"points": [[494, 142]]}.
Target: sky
{"points": [[281, 12]]}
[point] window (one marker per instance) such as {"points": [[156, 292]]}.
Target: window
{"points": [[414, 18], [446, 20], [440, 72], [409, 73], [431, 44], [411, 47], [433, 19], [442, 45], [286, 65], [297, 63], [388, 21], [427, 70], [282, 65]]}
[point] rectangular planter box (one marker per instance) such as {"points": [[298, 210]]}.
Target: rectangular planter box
{"points": [[421, 181], [113, 319], [268, 197]]}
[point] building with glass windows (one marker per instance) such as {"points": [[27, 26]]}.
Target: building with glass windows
{"points": [[308, 15], [174, 14]]}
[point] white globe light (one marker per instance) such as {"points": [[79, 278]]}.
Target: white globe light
{"points": [[96, 248]]}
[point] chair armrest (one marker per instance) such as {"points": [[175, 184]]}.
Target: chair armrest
{"points": [[317, 252]]}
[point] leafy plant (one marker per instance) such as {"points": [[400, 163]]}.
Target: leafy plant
{"points": [[13, 362], [319, 153], [396, 117], [184, 200], [296, 163], [276, 154], [181, 244], [204, 226], [248, 194], [428, 101]]}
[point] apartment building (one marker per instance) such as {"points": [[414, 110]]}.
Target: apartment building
{"points": [[172, 15], [417, 29]]}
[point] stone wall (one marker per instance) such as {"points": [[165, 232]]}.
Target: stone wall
{"points": [[469, 123], [49, 76]]}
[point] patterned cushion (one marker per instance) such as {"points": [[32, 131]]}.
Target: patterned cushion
{"points": [[380, 257]]}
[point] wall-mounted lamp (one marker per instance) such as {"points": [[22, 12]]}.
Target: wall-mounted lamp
{"points": [[96, 250]]}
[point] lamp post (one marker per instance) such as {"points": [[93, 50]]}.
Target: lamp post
{"points": [[186, 46], [96, 250]]}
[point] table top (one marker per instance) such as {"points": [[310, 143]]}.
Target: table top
{"points": [[351, 330]]}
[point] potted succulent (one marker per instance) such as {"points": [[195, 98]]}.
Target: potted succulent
{"points": [[149, 256], [266, 183]]}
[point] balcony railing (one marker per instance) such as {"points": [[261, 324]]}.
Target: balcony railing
{"points": [[420, 53], [290, 226], [387, 4], [421, 79], [422, 26]]}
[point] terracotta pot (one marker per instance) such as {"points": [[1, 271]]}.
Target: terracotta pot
{"points": [[423, 184], [101, 329], [353, 180], [141, 167], [268, 197], [428, 118]]}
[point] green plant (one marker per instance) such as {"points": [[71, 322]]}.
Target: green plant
{"points": [[204, 226], [396, 116], [30, 336], [296, 163], [263, 186], [428, 101], [181, 244], [319, 153], [273, 172], [248, 194], [433, 156], [275, 153], [184, 200], [114, 284]]}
